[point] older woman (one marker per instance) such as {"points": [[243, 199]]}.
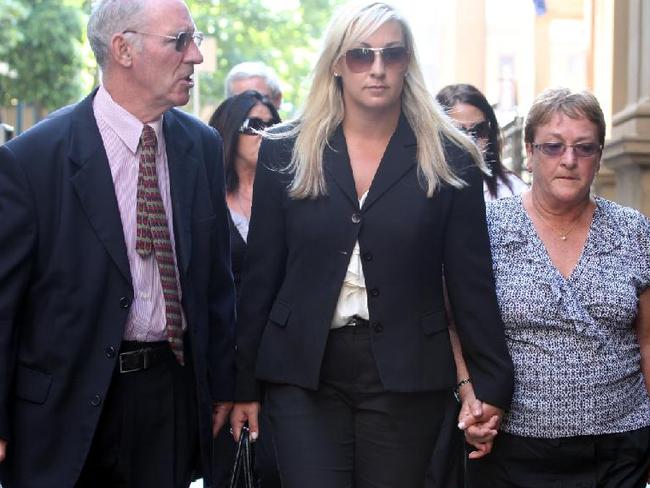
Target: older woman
{"points": [[572, 273], [358, 206]]}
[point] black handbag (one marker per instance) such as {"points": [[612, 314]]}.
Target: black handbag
{"points": [[242, 470]]}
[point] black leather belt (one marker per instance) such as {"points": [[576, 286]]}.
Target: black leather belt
{"points": [[357, 321], [138, 356]]}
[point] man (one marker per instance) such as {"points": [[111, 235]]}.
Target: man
{"points": [[116, 295], [254, 75]]}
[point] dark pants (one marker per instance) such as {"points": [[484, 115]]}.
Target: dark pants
{"points": [[603, 461], [147, 434], [447, 466], [351, 433]]}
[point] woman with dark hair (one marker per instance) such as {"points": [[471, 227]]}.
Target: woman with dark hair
{"points": [[473, 115], [239, 119]]}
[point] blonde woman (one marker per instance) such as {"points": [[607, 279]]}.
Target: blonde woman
{"points": [[361, 206]]}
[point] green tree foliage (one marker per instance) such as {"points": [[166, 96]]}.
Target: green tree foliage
{"points": [[47, 59], [250, 30], [12, 13]]}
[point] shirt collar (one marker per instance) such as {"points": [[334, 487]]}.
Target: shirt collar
{"points": [[125, 125]]}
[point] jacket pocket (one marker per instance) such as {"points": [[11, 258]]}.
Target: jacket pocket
{"points": [[280, 313], [31, 385], [434, 322]]}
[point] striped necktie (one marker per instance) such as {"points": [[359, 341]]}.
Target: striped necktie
{"points": [[153, 236]]}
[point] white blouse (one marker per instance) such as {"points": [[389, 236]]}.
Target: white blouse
{"points": [[353, 299]]}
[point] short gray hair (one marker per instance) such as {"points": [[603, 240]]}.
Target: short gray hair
{"points": [[253, 69], [109, 17], [573, 104]]}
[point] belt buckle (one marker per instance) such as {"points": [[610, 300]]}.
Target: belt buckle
{"points": [[356, 321], [145, 360]]}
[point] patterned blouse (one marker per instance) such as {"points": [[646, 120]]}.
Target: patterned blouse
{"points": [[572, 340]]}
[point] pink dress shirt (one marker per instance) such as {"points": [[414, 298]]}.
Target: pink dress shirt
{"points": [[120, 132]]}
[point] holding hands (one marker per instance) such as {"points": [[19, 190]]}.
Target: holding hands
{"points": [[480, 421]]}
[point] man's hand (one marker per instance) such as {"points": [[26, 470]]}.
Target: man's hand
{"points": [[220, 411], [3, 450], [242, 413]]}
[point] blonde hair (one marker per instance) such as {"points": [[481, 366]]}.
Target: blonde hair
{"points": [[323, 110]]}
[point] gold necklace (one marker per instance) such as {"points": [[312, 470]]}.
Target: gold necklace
{"points": [[563, 235]]}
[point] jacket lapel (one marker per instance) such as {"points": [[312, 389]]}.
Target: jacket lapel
{"points": [[93, 184], [399, 157], [183, 166], [336, 162]]}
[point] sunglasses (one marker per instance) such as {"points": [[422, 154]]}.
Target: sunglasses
{"points": [[557, 149], [181, 40], [477, 131], [361, 59], [252, 126]]}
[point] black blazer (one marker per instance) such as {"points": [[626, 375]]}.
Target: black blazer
{"points": [[65, 286], [299, 250], [238, 253]]}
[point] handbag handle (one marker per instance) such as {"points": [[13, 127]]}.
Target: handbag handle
{"points": [[243, 462]]}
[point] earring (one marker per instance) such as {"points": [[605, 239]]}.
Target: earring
{"points": [[337, 75]]}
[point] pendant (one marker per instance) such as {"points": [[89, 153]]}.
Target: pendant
{"points": [[563, 238]]}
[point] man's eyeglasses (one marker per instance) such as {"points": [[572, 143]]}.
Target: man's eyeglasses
{"points": [[182, 39], [557, 149], [361, 59], [479, 130], [252, 126]]}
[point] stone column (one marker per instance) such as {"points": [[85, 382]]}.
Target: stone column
{"points": [[627, 153]]}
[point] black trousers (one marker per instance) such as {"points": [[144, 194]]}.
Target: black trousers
{"points": [[604, 461], [147, 434], [447, 466], [350, 432]]}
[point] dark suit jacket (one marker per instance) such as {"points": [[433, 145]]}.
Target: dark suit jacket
{"points": [[65, 286], [299, 250], [238, 253]]}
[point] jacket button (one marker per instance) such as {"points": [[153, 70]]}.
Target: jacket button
{"points": [[125, 302], [110, 352], [367, 256], [374, 292], [96, 401], [356, 218], [378, 327]]}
